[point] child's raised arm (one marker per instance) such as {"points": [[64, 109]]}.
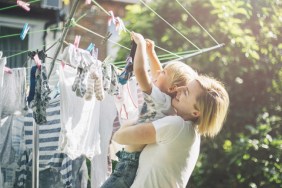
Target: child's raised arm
{"points": [[155, 64], [139, 65]]}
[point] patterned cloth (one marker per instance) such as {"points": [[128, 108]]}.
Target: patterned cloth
{"points": [[114, 88], [79, 86], [107, 75], [41, 98], [95, 82], [127, 72]]}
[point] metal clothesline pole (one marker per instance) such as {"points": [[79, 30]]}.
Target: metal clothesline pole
{"points": [[64, 34], [35, 161], [196, 53]]}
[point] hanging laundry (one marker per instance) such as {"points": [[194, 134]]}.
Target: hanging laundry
{"points": [[56, 168], [49, 132], [32, 84], [80, 123], [127, 102], [107, 74], [114, 86], [11, 148], [79, 86], [128, 69], [2, 65], [13, 98], [107, 116], [41, 98], [71, 56], [95, 82]]}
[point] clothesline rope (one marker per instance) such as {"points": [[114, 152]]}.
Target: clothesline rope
{"points": [[14, 6], [197, 21], [169, 24], [86, 29], [37, 31], [98, 5]]}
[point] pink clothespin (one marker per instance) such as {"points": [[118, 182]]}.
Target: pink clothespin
{"points": [[112, 18], [120, 25], [7, 70], [23, 4], [37, 61], [88, 2], [76, 41], [63, 64]]}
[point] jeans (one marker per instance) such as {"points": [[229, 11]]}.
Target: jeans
{"points": [[125, 170]]}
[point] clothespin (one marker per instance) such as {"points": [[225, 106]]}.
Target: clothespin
{"points": [[76, 41], [24, 31], [94, 53], [37, 61], [88, 2], [90, 47], [23, 4], [112, 18], [120, 25], [7, 70], [109, 34]]}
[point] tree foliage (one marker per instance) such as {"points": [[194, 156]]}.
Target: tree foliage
{"points": [[247, 152]]}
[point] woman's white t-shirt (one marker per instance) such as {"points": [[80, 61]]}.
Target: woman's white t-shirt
{"points": [[170, 161]]}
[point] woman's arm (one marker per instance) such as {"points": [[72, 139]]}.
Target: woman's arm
{"points": [[137, 134]]}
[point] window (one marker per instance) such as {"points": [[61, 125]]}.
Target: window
{"points": [[13, 45], [55, 4]]}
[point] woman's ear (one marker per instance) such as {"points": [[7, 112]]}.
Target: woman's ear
{"points": [[196, 113], [172, 89]]}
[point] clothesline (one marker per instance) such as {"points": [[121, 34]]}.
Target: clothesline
{"points": [[196, 21], [74, 23], [97, 4], [14, 6], [106, 12], [30, 32]]}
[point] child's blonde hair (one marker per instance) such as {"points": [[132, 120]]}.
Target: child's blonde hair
{"points": [[213, 104], [180, 73]]}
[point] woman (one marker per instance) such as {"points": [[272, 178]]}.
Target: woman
{"points": [[173, 142]]}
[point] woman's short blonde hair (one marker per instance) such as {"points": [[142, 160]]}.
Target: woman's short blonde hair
{"points": [[213, 106], [180, 73]]}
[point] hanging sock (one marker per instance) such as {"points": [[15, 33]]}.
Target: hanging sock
{"points": [[32, 84], [114, 88], [127, 73], [95, 76], [107, 74], [128, 69], [79, 86]]}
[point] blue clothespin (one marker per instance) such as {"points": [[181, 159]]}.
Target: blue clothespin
{"points": [[24, 31], [90, 47]]}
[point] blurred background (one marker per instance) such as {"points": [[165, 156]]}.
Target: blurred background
{"points": [[248, 151]]}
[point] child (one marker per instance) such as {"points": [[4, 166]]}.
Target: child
{"points": [[157, 96]]}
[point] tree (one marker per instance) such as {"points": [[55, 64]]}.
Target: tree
{"points": [[247, 152]]}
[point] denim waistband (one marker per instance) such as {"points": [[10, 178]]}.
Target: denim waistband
{"points": [[129, 156]]}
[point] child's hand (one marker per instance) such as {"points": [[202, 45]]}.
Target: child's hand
{"points": [[150, 46], [138, 38]]}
